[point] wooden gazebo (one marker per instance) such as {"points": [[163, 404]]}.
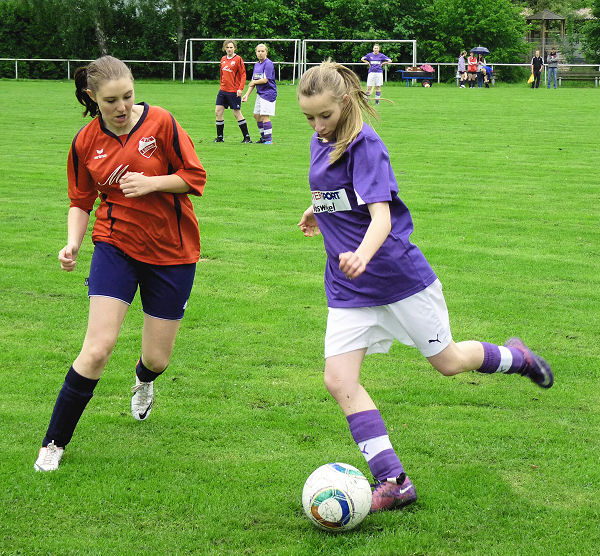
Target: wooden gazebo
{"points": [[546, 16]]}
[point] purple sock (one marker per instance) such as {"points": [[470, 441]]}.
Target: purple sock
{"points": [[377, 97], [260, 128], [501, 359], [268, 129], [369, 432]]}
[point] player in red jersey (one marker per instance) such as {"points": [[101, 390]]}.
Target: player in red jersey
{"points": [[233, 80], [138, 161]]}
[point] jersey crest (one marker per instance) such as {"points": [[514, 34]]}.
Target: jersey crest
{"points": [[147, 146]]}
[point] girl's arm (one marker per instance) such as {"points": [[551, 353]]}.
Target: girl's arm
{"points": [[77, 223], [250, 88], [353, 264], [134, 184]]}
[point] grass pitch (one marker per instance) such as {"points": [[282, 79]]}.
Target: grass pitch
{"points": [[503, 187]]}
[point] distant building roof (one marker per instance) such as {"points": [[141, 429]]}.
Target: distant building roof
{"points": [[545, 15]]}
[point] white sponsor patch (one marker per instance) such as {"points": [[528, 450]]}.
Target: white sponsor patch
{"points": [[330, 201]]}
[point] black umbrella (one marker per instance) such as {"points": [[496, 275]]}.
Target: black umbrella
{"points": [[480, 50]]}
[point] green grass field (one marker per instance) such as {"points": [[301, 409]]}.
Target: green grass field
{"points": [[503, 187]]}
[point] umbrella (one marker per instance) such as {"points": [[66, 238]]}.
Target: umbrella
{"points": [[480, 50]]}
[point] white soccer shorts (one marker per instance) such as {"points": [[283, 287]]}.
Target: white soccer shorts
{"points": [[263, 107], [420, 320], [374, 79]]}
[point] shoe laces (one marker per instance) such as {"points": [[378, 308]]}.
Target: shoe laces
{"points": [[51, 453], [143, 388]]}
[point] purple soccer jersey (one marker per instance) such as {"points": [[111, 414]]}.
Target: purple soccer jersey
{"points": [[340, 194], [268, 90], [375, 61]]}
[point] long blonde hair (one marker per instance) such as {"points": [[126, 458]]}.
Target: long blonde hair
{"points": [[338, 80]]}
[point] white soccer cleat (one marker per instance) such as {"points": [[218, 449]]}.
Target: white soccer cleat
{"points": [[49, 458], [142, 400]]}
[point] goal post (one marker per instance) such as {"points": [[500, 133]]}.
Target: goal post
{"points": [[304, 49], [188, 56]]}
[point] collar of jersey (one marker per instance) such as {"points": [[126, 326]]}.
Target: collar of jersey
{"points": [[133, 130]]}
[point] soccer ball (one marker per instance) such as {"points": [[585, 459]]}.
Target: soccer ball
{"points": [[336, 497]]}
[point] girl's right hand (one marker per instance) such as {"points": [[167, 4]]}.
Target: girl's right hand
{"points": [[68, 257], [308, 223]]}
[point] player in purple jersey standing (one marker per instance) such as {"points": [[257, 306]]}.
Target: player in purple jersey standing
{"points": [[263, 78], [375, 60], [379, 285]]}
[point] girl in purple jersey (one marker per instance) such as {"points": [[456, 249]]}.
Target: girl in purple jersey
{"points": [[379, 285], [263, 78]]}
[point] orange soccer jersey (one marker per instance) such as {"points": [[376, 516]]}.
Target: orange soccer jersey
{"points": [[233, 74], [158, 228]]}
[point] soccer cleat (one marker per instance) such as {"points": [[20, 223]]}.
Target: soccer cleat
{"points": [[142, 400], [49, 458], [219, 140], [536, 368], [247, 139], [269, 142], [389, 495], [261, 140]]}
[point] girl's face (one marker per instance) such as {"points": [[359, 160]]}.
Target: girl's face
{"points": [[230, 49], [376, 49], [323, 113], [261, 53], [115, 99]]}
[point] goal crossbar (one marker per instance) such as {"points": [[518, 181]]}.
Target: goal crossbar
{"points": [[188, 51], [305, 42]]}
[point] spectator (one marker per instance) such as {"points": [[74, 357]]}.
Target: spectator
{"points": [[552, 66], [462, 68], [471, 70]]}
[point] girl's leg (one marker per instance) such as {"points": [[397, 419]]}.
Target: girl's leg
{"points": [[377, 94], [158, 340], [259, 124], [105, 319], [220, 122], [514, 357], [243, 125], [368, 431], [267, 129], [370, 90]]}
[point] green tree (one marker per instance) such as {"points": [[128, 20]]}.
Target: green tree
{"points": [[591, 33]]}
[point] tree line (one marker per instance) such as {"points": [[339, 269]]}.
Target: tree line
{"points": [[157, 29]]}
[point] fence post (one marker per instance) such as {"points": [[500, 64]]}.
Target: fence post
{"points": [[16, 69]]}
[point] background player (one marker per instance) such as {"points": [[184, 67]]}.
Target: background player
{"points": [[379, 285], [375, 60], [233, 80], [142, 165], [263, 78]]}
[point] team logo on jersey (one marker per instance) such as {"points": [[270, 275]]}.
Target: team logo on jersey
{"points": [[100, 154], [147, 146], [330, 201]]}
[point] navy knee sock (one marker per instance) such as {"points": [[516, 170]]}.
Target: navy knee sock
{"points": [[145, 374], [74, 395]]}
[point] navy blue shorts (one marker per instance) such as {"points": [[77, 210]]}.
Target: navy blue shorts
{"points": [[229, 100], [164, 290]]}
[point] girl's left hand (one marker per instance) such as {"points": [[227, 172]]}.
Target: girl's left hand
{"points": [[352, 264], [134, 184]]}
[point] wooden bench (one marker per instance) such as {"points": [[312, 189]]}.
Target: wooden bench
{"points": [[575, 76]]}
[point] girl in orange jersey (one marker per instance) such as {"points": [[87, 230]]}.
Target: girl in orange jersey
{"points": [[233, 80], [142, 166]]}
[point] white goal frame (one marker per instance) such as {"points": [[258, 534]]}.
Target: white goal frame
{"points": [[189, 49], [303, 54]]}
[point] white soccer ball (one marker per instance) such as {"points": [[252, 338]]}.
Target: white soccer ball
{"points": [[336, 497]]}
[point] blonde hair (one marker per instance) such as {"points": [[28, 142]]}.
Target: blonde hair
{"points": [[225, 43], [264, 46], [338, 81], [106, 68]]}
